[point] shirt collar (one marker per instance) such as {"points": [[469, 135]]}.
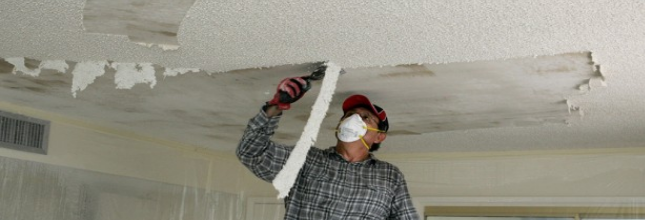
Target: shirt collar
{"points": [[333, 153]]}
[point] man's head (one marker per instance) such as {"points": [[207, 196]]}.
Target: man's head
{"points": [[356, 101]]}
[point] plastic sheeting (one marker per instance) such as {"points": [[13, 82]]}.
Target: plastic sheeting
{"points": [[33, 190]]}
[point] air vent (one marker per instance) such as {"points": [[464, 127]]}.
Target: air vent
{"points": [[23, 133]]}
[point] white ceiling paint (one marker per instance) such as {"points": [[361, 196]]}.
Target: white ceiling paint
{"points": [[222, 36]]}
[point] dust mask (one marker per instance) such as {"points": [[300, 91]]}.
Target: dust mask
{"points": [[351, 129]]}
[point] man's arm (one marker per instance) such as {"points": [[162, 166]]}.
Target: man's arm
{"points": [[272, 111], [256, 150], [402, 207]]}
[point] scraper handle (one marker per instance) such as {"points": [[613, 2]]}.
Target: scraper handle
{"points": [[286, 98], [317, 74]]}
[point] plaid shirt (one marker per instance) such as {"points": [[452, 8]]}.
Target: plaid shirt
{"points": [[328, 186]]}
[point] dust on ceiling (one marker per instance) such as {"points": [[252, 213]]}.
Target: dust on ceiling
{"points": [[200, 110]]}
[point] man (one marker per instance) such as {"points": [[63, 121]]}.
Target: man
{"points": [[342, 182]]}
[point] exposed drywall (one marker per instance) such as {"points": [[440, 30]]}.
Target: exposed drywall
{"points": [[145, 22], [519, 92]]}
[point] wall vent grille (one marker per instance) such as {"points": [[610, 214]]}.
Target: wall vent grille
{"points": [[23, 133]]}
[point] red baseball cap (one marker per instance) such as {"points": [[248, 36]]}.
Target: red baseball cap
{"points": [[362, 101]]}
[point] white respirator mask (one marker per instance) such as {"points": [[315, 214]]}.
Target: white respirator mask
{"points": [[351, 129]]}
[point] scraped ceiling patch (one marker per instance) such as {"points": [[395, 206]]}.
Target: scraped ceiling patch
{"points": [[146, 22], [528, 91]]}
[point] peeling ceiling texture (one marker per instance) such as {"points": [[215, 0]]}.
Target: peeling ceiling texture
{"points": [[454, 76]]}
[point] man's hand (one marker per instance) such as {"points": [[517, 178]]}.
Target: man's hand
{"points": [[289, 91]]}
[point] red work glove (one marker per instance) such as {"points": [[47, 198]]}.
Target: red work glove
{"points": [[289, 91]]}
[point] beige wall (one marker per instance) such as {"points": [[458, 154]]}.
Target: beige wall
{"points": [[608, 177], [605, 172], [76, 144], [611, 172]]}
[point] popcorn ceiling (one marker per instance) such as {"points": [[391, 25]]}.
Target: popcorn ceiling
{"points": [[597, 81], [19, 66], [129, 74], [126, 76], [164, 47], [179, 71], [85, 73], [58, 65], [222, 36]]}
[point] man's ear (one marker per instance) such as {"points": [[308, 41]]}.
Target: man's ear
{"points": [[380, 137]]}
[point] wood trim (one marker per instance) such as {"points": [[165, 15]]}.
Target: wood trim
{"points": [[572, 212]]}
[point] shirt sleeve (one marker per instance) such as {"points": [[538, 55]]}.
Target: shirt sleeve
{"points": [[256, 150], [403, 209]]}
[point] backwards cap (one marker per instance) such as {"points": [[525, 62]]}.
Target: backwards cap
{"points": [[362, 101]]}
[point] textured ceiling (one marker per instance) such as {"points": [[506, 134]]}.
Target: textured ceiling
{"points": [[414, 58]]}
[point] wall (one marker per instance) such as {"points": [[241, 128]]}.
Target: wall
{"points": [[76, 144], [609, 177], [615, 172], [91, 172], [553, 174]]}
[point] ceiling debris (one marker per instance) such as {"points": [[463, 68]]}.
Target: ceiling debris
{"points": [[146, 23]]}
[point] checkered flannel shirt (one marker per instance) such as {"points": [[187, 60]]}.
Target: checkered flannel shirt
{"points": [[328, 186]]}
